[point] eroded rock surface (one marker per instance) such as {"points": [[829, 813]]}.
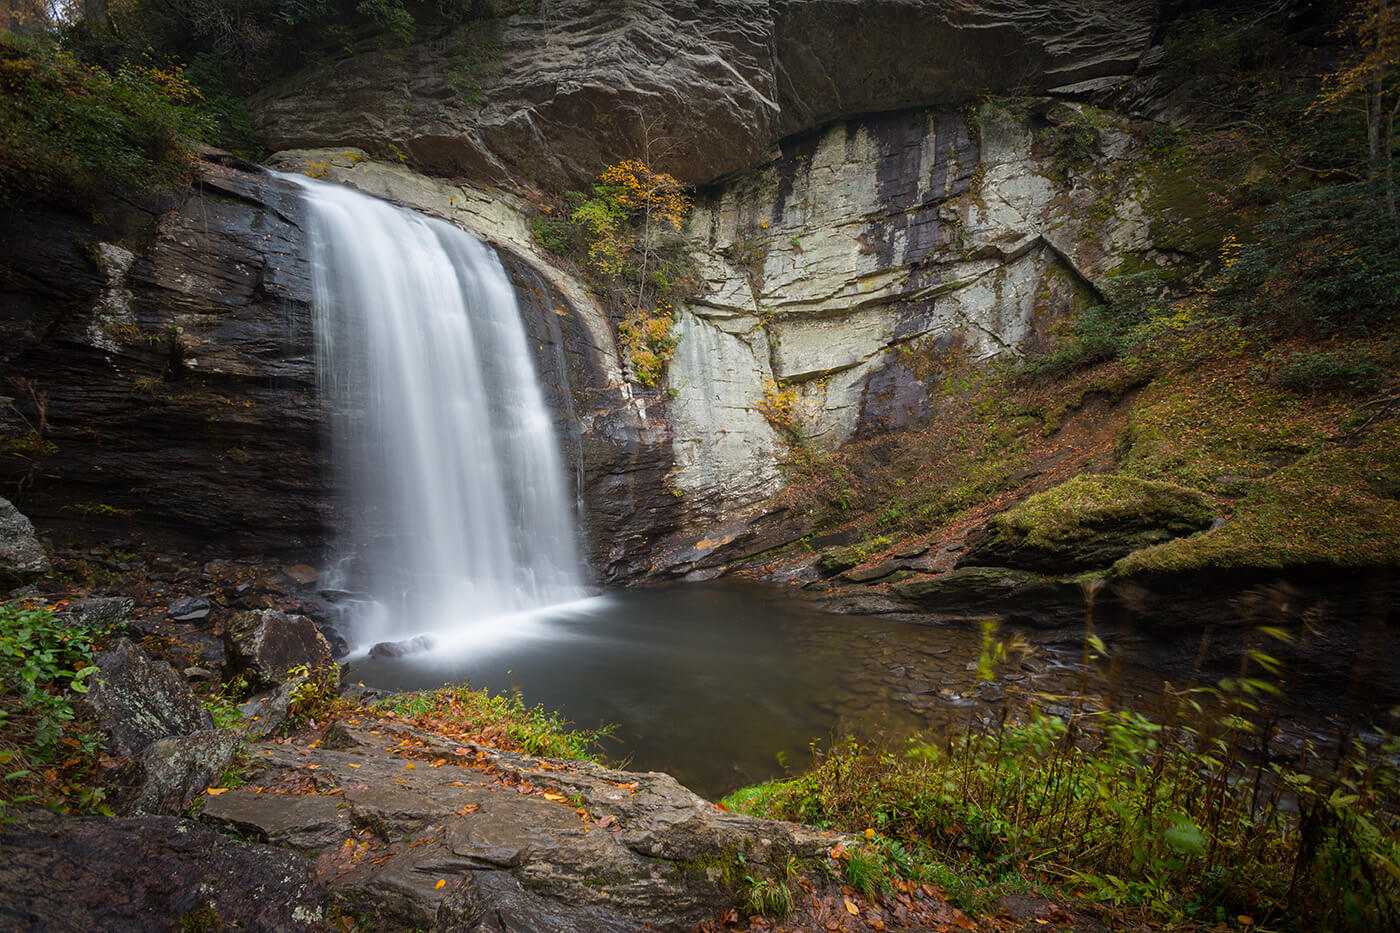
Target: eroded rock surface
{"points": [[423, 832], [557, 94], [172, 771], [154, 874]]}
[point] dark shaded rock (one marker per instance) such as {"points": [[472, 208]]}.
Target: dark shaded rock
{"points": [[178, 370], [22, 557], [1087, 523], [136, 700], [148, 874], [173, 771], [723, 81], [107, 613], [266, 644], [189, 609], [495, 902], [875, 572], [399, 649]]}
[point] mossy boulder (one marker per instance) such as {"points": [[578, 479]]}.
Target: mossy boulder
{"points": [[1088, 523]]}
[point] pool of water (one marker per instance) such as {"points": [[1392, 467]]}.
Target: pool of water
{"points": [[727, 684]]}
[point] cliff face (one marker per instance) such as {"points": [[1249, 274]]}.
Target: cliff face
{"points": [[175, 372], [704, 88]]}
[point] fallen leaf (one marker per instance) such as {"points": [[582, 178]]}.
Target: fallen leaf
{"points": [[549, 796], [870, 834], [410, 766], [454, 784], [215, 791], [607, 821], [312, 767], [469, 808], [439, 762], [442, 883], [1245, 920], [851, 907], [354, 766]]}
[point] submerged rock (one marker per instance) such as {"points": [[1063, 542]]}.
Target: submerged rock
{"points": [[136, 700], [399, 649], [148, 874], [22, 557], [266, 644]]}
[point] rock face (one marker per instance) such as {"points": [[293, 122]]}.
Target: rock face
{"points": [[266, 644], [552, 96], [136, 700], [424, 833], [22, 557], [148, 874], [174, 379]]}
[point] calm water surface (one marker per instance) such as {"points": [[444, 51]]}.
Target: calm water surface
{"points": [[724, 685]]}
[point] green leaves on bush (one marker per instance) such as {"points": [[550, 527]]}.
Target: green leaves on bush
{"points": [[1324, 371], [71, 131], [43, 663], [1326, 260]]}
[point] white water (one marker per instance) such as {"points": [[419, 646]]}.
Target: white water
{"points": [[458, 525]]}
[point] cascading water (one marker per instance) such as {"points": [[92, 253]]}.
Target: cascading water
{"points": [[457, 509]]}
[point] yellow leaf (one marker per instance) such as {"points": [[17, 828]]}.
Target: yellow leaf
{"points": [[851, 907], [442, 883], [409, 766], [215, 791], [354, 766], [870, 834], [549, 796], [312, 767]]}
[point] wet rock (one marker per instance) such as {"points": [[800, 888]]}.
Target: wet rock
{"points": [[149, 874], [874, 572], [496, 902], [630, 860], [22, 557], [136, 700], [173, 771], [308, 824], [189, 609], [266, 644], [200, 674], [399, 649], [108, 613], [1087, 523], [836, 560]]}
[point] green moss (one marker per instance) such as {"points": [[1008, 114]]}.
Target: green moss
{"points": [[1083, 504], [1337, 505]]}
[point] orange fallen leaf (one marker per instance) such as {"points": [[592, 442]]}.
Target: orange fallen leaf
{"points": [[442, 883], [851, 907], [1245, 920], [870, 834], [439, 762], [548, 796], [455, 784], [312, 767], [215, 791], [354, 766], [469, 808], [410, 766]]}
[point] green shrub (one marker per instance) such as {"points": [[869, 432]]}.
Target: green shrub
{"points": [[1112, 329], [1324, 371], [72, 132], [1326, 261], [43, 665]]}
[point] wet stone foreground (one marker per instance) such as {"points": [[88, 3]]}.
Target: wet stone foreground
{"points": [[417, 831]]}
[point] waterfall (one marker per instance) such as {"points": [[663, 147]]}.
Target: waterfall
{"points": [[457, 512]]}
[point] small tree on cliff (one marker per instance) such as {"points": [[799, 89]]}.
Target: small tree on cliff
{"points": [[628, 230], [1373, 75]]}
